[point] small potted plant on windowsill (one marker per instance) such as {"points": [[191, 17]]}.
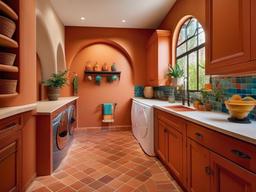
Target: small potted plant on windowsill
{"points": [[57, 81], [175, 73]]}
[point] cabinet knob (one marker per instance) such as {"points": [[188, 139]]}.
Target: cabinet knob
{"points": [[240, 154], [199, 136]]}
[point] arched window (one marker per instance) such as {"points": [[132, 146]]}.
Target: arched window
{"points": [[190, 54]]}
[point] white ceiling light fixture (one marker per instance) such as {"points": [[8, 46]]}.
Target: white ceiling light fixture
{"points": [[123, 21], [82, 18]]}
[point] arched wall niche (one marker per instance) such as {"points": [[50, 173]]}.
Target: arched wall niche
{"points": [[110, 43], [61, 63]]}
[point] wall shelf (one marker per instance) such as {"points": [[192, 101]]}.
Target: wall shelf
{"points": [[7, 42], [103, 73], [8, 68], [8, 11], [8, 95]]}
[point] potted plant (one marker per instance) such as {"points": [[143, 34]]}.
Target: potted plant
{"points": [[75, 84], [57, 81], [175, 73]]}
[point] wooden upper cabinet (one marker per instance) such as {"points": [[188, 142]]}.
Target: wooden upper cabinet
{"points": [[253, 25], [228, 36], [158, 57], [227, 176], [198, 167]]}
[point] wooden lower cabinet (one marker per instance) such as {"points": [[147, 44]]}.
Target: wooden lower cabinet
{"points": [[228, 176], [10, 155], [198, 167], [192, 155], [175, 152]]}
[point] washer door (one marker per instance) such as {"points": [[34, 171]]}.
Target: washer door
{"points": [[142, 122]]}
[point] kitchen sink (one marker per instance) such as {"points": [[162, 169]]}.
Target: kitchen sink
{"points": [[180, 108]]}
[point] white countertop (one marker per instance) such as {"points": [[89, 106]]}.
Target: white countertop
{"points": [[47, 107], [213, 120], [10, 111]]}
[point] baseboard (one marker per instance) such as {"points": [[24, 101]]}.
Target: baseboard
{"points": [[26, 186], [106, 128]]}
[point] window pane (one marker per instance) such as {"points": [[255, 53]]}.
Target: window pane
{"points": [[181, 49], [192, 71], [201, 38], [192, 43], [182, 62], [202, 77], [191, 29], [182, 35]]}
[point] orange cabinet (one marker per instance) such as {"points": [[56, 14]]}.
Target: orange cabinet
{"points": [[158, 57], [198, 167], [253, 25], [228, 36], [227, 176], [10, 154], [170, 144]]}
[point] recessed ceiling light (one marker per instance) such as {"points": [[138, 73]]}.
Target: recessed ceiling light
{"points": [[124, 21], [82, 18]]}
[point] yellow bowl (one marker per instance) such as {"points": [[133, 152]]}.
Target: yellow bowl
{"points": [[239, 110]]}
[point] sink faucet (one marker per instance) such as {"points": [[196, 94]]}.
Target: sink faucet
{"points": [[185, 92]]}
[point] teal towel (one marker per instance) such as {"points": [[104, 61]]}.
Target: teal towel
{"points": [[107, 109]]}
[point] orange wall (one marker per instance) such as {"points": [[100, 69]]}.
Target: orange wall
{"points": [[91, 96], [182, 8]]}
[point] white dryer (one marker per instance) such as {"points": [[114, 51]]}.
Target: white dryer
{"points": [[143, 126]]}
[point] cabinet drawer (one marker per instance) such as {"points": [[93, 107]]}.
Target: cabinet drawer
{"points": [[238, 151], [10, 124], [172, 121]]}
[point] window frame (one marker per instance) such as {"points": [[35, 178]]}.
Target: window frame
{"points": [[196, 49]]}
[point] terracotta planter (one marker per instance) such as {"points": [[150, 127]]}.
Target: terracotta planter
{"points": [[7, 58], [53, 93], [7, 26], [176, 82]]}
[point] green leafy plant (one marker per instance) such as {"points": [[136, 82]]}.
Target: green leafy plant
{"points": [[57, 80], [205, 96], [175, 72]]}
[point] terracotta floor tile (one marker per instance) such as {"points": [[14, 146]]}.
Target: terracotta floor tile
{"points": [[107, 161], [77, 185], [56, 186], [106, 179], [96, 184]]}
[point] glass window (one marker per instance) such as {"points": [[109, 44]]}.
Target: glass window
{"points": [[190, 54]]}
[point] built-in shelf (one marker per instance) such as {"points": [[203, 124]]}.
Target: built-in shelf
{"points": [[7, 42], [8, 68], [8, 11], [8, 95], [103, 73]]}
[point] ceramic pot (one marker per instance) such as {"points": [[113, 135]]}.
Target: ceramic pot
{"points": [[88, 67], [176, 82], [96, 67], [148, 92], [105, 67], [113, 67], [53, 93]]}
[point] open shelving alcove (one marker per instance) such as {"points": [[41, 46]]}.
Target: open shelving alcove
{"points": [[10, 9]]}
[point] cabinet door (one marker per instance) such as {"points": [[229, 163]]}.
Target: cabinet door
{"points": [[152, 61], [9, 164], [198, 167], [175, 153], [228, 36], [162, 140], [227, 176], [253, 25]]}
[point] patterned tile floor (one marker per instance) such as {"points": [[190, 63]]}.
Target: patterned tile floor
{"points": [[107, 161]]}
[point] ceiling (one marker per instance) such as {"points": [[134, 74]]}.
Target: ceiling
{"points": [[146, 14]]}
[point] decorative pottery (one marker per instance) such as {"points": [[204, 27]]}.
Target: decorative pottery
{"points": [[88, 67], [53, 93], [96, 67], [105, 67], [148, 92], [98, 79], [8, 86], [176, 82], [114, 77], [7, 58], [113, 67]]}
